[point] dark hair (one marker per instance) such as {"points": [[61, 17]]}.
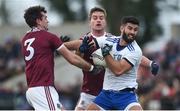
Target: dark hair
{"points": [[32, 14], [97, 9], [129, 19]]}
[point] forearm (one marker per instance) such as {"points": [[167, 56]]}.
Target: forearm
{"points": [[117, 67], [74, 59], [73, 45], [145, 62], [81, 63]]}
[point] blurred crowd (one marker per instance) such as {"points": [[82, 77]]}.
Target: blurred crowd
{"points": [[162, 91], [155, 92], [11, 61]]}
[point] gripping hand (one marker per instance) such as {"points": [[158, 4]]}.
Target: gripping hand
{"points": [[154, 68], [85, 46], [97, 69], [65, 38], [106, 49]]}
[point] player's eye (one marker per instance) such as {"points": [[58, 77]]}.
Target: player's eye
{"points": [[101, 17], [94, 17]]}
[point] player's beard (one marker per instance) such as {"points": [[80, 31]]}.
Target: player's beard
{"points": [[125, 37]]}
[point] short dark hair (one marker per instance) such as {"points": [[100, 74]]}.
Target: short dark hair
{"points": [[129, 19], [33, 13], [97, 9]]}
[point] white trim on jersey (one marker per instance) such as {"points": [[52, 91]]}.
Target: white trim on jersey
{"points": [[60, 47]]}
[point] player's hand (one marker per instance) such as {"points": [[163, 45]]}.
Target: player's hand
{"points": [[86, 45], [64, 38], [154, 68], [106, 49], [97, 69]]}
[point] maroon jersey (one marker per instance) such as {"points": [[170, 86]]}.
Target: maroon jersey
{"points": [[92, 84], [38, 48]]}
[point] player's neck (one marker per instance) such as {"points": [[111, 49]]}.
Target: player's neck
{"points": [[98, 33], [122, 42], [41, 28]]}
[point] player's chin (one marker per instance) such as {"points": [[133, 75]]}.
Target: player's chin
{"points": [[100, 27]]}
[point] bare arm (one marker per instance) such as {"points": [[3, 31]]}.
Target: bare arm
{"points": [[74, 59], [117, 67], [73, 45], [145, 62]]}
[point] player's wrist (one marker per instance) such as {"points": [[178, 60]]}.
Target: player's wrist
{"points": [[105, 54], [150, 64], [91, 68]]}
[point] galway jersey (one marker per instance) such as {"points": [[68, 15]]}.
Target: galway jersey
{"points": [[92, 84], [132, 53], [38, 48]]}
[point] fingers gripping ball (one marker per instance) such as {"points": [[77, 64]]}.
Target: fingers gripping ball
{"points": [[98, 58], [86, 45], [106, 50]]}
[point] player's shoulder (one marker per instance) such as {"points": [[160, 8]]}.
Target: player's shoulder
{"points": [[134, 47], [48, 35], [108, 35], [113, 38]]}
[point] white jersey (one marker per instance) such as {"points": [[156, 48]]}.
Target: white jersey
{"points": [[132, 53]]}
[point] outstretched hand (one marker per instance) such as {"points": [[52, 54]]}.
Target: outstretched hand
{"points": [[154, 68], [86, 44]]}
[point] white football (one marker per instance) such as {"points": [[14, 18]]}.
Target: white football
{"points": [[97, 58]]}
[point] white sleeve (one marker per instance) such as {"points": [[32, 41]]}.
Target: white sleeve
{"points": [[133, 57]]}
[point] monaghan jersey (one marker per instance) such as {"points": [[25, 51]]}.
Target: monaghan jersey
{"points": [[132, 53]]}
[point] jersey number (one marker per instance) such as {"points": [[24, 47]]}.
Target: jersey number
{"points": [[29, 48]]}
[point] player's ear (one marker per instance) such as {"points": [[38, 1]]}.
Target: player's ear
{"points": [[121, 29], [38, 21]]}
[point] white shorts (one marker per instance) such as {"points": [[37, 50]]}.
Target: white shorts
{"points": [[85, 100], [43, 98]]}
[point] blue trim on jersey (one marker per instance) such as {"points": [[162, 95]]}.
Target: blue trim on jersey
{"points": [[119, 47], [115, 100], [130, 47], [113, 40]]}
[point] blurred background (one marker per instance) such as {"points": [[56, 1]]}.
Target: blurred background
{"points": [[158, 38]]}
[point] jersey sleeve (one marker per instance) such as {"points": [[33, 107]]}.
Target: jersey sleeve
{"points": [[134, 57], [55, 41]]}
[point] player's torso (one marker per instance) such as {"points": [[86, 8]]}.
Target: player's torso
{"points": [[39, 57], [118, 52]]}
